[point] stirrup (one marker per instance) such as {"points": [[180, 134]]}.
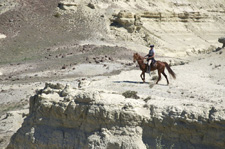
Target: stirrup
{"points": [[148, 70]]}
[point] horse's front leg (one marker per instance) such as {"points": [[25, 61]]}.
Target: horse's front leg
{"points": [[142, 76]]}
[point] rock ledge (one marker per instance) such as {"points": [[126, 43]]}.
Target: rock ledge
{"points": [[65, 117]]}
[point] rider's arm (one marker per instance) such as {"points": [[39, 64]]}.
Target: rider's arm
{"points": [[152, 56]]}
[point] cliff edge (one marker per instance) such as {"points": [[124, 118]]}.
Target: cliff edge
{"points": [[65, 117]]}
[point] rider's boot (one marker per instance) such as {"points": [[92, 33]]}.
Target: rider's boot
{"points": [[149, 70]]}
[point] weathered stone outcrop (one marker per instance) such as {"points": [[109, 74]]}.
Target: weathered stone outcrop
{"points": [[65, 117], [62, 117], [132, 22], [65, 5], [175, 17], [222, 40], [72, 5]]}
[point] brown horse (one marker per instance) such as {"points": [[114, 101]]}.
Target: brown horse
{"points": [[160, 66]]}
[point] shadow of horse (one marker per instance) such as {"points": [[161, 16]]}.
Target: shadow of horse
{"points": [[132, 82], [151, 85]]}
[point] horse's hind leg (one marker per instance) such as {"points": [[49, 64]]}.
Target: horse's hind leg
{"points": [[159, 78], [144, 76], [165, 77]]}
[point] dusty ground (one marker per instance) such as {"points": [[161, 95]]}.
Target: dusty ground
{"points": [[200, 82]]}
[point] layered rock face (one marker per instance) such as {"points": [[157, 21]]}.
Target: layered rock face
{"points": [[177, 27], [65, 117]]}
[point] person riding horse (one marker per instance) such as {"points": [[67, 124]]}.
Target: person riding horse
{"points": [[150, 58], [158, 65]]}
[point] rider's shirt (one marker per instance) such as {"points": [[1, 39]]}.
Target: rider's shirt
{"points": [[151, 53]]}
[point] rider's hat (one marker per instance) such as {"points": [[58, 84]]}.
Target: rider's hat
{"points": [[151, 45]]}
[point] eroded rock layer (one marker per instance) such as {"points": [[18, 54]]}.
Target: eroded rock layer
{"points": [[65, 117]]}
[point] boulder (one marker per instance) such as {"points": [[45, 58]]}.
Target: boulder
{"points": [[222, 40], [131, 22], [91, 5], [125, 14], [65, 5], [2, 36]]}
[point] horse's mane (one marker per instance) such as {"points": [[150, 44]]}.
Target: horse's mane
{"points": [[141, 57]]}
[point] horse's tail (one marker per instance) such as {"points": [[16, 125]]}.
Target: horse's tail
{"points": [[170, 70]]}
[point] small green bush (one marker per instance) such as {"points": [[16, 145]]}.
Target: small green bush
{"points": [[57, 15], [148, 98]]}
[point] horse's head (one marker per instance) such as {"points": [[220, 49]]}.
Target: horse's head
{"points": [[135, 57]]}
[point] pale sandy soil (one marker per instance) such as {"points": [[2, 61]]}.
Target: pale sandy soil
{"points": [[200, 78], [200, 83]]}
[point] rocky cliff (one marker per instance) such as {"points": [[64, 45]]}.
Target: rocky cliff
{"points": [[65, 117], [175, 26]]}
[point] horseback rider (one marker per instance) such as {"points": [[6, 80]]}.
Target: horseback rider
{"points": [[150, 58]]}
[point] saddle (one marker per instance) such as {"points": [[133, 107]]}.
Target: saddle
{"points": [[153, 63]]}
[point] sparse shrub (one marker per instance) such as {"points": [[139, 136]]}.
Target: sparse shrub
{"points": [[57, 15], [147, 99], [158, 144], [131, 94]]}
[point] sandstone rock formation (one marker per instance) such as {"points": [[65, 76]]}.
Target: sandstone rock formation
{"points": [[172, 26], [9, 124], [65, 117], [127, 20], [65, 5]]}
